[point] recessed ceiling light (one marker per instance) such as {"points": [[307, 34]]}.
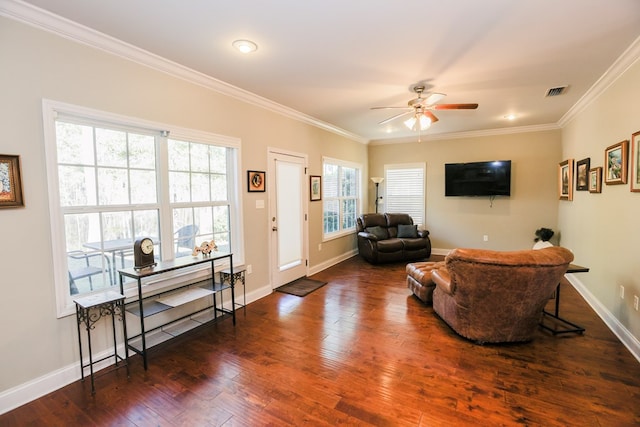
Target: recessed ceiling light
{"points": [[245, 46], [510, 117]]}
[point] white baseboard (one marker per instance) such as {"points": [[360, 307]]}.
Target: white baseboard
{"points": [[331, 262], [623, 334], [440, 251], [52, 381]]}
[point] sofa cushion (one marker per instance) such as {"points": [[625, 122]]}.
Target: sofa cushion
{"points": [[390, 245], [410, 231], [414, 244], [379, 232]]}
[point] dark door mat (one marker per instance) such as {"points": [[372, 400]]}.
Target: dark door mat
{"points": [[301, 287]]}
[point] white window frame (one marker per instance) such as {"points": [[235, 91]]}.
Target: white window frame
{"points": [[390, 207], [51, 110], [348, 164]]}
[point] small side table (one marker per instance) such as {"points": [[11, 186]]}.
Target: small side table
{"points": [[89, 310], [237, 277], [568, 327]]}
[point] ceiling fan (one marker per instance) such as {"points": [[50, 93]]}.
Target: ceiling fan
{"points": [[419, 109]]}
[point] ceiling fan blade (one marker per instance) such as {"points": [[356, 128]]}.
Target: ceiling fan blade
{"points": [[433, 98], [394, 117], [455, 107], [431, 116], [389, 108]]}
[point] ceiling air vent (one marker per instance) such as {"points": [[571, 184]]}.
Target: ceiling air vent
{"points": [[555, 91]]}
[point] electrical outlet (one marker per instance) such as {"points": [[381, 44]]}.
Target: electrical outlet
{"points": [[485, 237], [319, 247], [635, 302], [249, 269], [621, 292]]}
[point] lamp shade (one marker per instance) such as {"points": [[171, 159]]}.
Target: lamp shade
{"points": [[377, 179]]}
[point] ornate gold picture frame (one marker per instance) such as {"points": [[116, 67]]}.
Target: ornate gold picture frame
{"points": [[10, 182]]}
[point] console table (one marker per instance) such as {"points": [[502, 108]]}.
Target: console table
{"points": [[144, 306], [568, 327], [89, 310]]}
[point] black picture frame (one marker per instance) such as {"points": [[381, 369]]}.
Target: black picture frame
{"points": [[256, 181], [582, 174], [315, 188]]}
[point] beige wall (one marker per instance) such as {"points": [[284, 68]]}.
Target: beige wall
{"points": [[603, 230], [37, 65], [510, 222]]}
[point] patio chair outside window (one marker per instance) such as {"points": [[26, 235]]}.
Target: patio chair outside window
{"points": [[85, 270], [186, 238]]}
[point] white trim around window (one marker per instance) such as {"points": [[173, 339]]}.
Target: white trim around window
{"points": [[54, 110], [341, 203], [405, 190]]}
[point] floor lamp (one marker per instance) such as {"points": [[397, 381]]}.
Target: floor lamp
{"points": [[377, 180]]}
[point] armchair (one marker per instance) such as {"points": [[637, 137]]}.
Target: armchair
{"points": [[490, 296]]}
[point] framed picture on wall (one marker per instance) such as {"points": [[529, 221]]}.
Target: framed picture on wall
{"points": [[565, 179], [255, 181], [10, 182], [595, 180], [582, 172], [635, 162], [615, 163], [315, 188]]}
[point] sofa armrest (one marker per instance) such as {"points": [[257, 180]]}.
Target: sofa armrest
{"points": [[367, 235], [423, 233], [442, 279]]}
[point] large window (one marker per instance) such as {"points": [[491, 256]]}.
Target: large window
{"points": [[341, 197], [114, 179], [405, 190]]}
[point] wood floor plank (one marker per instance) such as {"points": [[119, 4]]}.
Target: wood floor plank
{"points": [[360, 351]]}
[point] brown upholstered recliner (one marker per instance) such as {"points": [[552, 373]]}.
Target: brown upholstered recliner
{"points": [[391, 237], [490, 296]]}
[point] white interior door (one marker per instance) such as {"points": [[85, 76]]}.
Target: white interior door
{"points": [[287, 217]]}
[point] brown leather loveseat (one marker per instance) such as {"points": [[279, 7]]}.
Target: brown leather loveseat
{"points": [[491, 296], [391, 237]]}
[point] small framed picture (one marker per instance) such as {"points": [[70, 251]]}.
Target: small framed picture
{"points": [[582, 172], [315, 188], [635, 162], [10, 182], [615, 163], [256, 181], [565, 179], [595, 180]]}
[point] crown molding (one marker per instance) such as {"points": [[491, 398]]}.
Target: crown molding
{"points": [[629, 57], [47, 21], [469, 134]]}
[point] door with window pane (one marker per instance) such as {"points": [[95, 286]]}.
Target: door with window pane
{"points": [[287, 218]]}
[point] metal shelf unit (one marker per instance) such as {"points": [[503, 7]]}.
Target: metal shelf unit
{"points": [[145, 306]]}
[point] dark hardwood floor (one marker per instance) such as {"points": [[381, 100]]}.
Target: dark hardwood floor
{"points": [[359, 351]]}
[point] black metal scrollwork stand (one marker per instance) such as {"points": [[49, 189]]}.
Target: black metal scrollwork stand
{"points": [[89, 310]]}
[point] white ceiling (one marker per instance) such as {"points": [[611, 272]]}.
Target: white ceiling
{"points": [[334, 59]]}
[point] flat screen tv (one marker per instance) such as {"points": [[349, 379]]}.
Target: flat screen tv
{"points": [[478, 178]]}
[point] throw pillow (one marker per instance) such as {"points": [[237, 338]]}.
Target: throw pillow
{"points": [[408, 231], [377, 231]]}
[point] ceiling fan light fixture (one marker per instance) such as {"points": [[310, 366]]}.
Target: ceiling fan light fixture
{"points": [[410, 122], [245, 46], [425, 122]]}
